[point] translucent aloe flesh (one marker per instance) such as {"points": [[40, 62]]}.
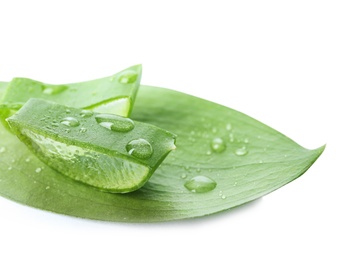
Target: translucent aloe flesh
{"points": [[223, 159], [92, 148], [114, 94]]}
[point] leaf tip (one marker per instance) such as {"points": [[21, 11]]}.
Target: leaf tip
{"points": [[321, 149]]}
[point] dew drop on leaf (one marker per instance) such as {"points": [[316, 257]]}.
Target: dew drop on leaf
{"points": [[140, 148], [200, 184], [231, 137], [218, 145], [241, 151], [86, 113], [128, 77], [70, 121], [114, 122]]}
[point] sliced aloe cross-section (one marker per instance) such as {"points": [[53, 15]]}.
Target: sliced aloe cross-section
{"points": [[107, 151], [114, 94]]}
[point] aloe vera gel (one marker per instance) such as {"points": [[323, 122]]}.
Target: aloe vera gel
{"points": [[109, 152]]}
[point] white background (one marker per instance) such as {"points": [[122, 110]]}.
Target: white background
{"points": [[294, 65]]}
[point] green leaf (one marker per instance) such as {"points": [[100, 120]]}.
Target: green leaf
{"points": [[115, 94], [266, 161], [107, 151]]}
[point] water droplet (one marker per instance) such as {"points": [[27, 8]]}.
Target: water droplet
{"points": [[198, 170], [86, 113], [128, 77], [70, 121], [27, 160], [260, 161], [200, 184], [218, 145], [82, 130], [231, 137], [228, 127], [47, 187], [241, 151], [37, 170], [214, 130], [223, 197], [10, 168], [140, 148], [183, 176], [246, 140], [53, 90], [115, 122], [208, 152], [2, 149], [67, 111], [235, 183]]}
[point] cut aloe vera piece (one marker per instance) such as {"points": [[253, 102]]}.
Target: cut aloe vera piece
{"points": [[107, 151], [114, 94]]}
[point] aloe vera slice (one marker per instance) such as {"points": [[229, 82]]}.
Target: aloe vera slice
{"points": [[109, 152], [114, 94]]}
